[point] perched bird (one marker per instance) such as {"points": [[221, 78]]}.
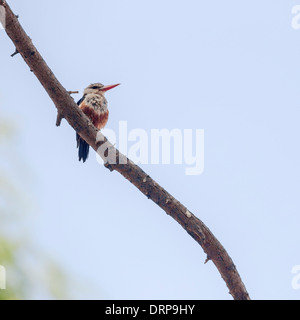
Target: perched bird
{"points": [[94, 105]]}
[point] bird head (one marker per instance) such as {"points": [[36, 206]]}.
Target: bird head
{"points": [[99, 88]]}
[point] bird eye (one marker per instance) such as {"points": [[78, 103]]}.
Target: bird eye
{"points": [[95, 87]]}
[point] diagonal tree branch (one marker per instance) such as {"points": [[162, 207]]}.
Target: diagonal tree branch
{"points": [[76, 118]]}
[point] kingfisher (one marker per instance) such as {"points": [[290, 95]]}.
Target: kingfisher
{"points": [[94, 105]]}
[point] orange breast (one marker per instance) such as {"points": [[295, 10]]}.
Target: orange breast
{"points": [[99, 119]]}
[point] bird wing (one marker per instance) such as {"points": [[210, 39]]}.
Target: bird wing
{"points": [[77, 135], [79, 101]]}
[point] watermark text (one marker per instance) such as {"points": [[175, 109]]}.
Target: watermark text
{"points": [[2, 278], [296, 278], [296, 18], [157, 146], [2, 17]]}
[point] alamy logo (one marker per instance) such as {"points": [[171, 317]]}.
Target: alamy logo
{"points": [[296, 278], [158, 146], [296, 19], [2, 17], [2, 278]]}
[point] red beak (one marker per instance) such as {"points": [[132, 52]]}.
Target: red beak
{"points": [[106, 88]]}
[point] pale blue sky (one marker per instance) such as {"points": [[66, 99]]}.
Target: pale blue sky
{"points": [[230, 68]]}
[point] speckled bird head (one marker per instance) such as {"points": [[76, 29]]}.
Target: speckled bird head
{"points": [[98, 88]]}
